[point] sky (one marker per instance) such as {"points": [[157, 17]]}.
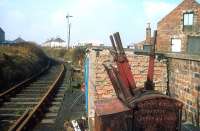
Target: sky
{"points": [[92, 21]]}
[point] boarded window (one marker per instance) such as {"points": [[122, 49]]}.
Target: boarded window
{"points": [[193, 45], [176, 45]]}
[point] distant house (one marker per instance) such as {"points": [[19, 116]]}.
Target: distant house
{"points": [[18, 40], [55, 43], [179, 31], [2, 35]]}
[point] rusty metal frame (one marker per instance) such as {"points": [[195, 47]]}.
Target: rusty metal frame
{"points": [[126, 90]]}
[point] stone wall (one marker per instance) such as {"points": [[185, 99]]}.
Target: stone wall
{"points": [[184, 84]]}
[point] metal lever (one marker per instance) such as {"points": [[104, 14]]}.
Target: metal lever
{"points": [[115, 82], [149, 84], [119, 43], [123, 66]]}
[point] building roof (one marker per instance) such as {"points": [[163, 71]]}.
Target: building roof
{"points": [[182, 3], [18, 40], [59, 40], [55, 40], [1, 30]]}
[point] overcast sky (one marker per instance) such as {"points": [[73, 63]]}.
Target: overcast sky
{"points": [[93, 21]]}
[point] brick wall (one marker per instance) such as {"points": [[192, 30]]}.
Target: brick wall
{"points": [[171, 26], [104, 87], [139, 66], [183, 73], [184, 82]]}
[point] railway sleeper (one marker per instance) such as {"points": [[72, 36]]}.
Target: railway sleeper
{"points": [[9, 116], [36, 89], [11, 110], [52, 115], [53, 109], [34, 84], [4, 124], [19, 104], [32, 92], [29, 96], [32, 99], [55, 103], [47, 121]]}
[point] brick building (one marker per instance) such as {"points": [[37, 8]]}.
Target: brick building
{"points": [[179, 31], [2, 35], [146, 44]]}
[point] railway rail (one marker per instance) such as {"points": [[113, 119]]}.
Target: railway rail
{"points": [[23, 109], [50, 119]]}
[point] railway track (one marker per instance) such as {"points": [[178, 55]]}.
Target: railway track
{"points": [[55, 114], [24, 108], [51, 115]]}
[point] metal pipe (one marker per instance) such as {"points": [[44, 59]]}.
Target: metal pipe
{"points": [[149, 85]]}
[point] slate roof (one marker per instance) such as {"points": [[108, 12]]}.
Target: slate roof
{"points": [[55, 40], [18, 40], [59, 40]]}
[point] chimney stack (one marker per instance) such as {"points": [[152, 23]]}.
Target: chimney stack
{"points": [[148, 34]]}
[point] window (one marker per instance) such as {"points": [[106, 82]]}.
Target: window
{"points": [[188, 19], [176, 45]]}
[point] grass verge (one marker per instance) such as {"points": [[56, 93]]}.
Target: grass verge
{"points": [[18, 62]]}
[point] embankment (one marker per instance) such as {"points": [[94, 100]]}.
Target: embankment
{"points": [[19, 62]]}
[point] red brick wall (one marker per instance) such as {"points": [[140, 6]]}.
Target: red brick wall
{"points": [[171, 26], [184, 78], [139, 66]]}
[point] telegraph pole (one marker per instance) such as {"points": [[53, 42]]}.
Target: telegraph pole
{"points": [[69, 26]]}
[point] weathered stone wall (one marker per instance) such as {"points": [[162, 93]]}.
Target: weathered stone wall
{"points": [[171, 26], [184, 83]]}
